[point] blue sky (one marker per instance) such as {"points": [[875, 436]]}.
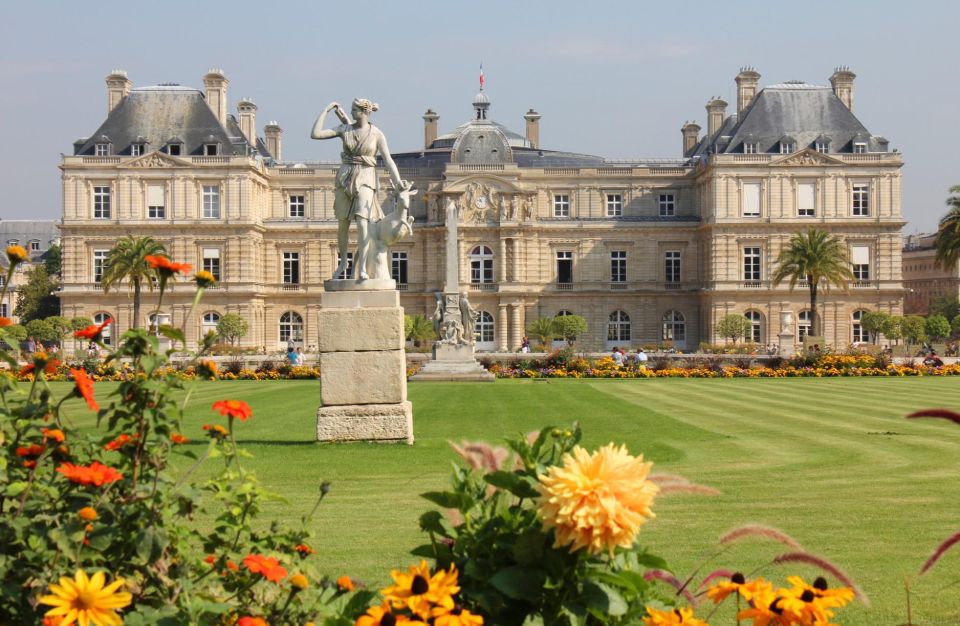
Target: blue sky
{"points": [[610, 78]]}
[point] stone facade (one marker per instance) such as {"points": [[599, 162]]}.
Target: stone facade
{"points": [[646, 250], [36, 237], [923, 278]]}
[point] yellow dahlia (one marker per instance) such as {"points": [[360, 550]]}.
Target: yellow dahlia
{"points": [[596, 501], [86, 600]]}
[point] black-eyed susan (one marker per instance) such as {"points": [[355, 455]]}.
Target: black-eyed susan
{"points": [[86, 600], [457, 616], [419, 591], [672, 617], [377, 616]]}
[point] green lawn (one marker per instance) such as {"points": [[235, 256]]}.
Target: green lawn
{"points": [[832, 462]]}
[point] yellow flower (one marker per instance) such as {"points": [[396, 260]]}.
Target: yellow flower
{"points": [[673, 617], [16, 254], [597, 501], [299, 581], [418, 591], [204, 279], [86, 600]]}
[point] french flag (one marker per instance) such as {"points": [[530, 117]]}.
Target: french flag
{"points": [[481, 75]]}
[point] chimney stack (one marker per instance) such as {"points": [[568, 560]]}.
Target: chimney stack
{"points": [[691, 133], [842, 82], [429, 128], [274, 137], [747, 81], [716, 112], [247, 112], [533, 128], [118, 87], [215, 84]]}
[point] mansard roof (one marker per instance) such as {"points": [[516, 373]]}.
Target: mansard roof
{"points": [[24, 231], [163, 113]]}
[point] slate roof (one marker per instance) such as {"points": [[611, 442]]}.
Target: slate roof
{"points": [[25, 231], [164, 112], [799, 110]]}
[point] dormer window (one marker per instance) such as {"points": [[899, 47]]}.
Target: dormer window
{"points": [[211, 149], [859, 147], [820, 147], [136, 149], [174, 146], [749, 147], [102, 149], [34, 245], [787, 145]]}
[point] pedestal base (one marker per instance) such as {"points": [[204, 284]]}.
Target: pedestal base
{"points": [[382, 423], [355, 284], [453, 363]]}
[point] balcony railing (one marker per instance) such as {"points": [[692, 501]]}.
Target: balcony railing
{"points": [[483, 287], [403, 286], [752, 284], [291, 286], [862, 284], [672, 285], [618, 285], [564, 286]]}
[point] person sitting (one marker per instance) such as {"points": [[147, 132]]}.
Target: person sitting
{"points": [[292, 355], [617, 356], [932, 360], [300, 358]]}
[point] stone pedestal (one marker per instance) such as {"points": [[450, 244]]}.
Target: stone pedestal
{"points": [[363, 377], [788, 346], [453, 363]]}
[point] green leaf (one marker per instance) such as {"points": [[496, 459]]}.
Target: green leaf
{"points": [[433, 522], [519, 485], [15, 489], [652, 561], [603, 600], [449, 499], [528, 548], [173, 333], [533, 620], [520, 583]]}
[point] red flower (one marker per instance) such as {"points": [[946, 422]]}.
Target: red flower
{"points": [[252, 621], [40, 361], [233, 408], [178, 438], [303, 549], [30, 452], [95, 474], [268, 567], [84, 387], [6, 321], [210, 559], [165, 266], [94, 331], [121, 440], [53, 433]]}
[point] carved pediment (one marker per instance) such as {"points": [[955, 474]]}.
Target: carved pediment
{"points": [[807, 157], [153, 160]]}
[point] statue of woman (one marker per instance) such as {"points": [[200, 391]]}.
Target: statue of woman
{"points": [[357, 184]]}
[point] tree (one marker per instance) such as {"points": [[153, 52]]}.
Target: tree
{"points": [[893, 328], [569, 327], [543, 329], [42, 330], [873, 322], [79, 323], [819, 258], [61, 326], [914, 328], [734, 326], [937, 327], [53, 259], [16, 333], [421, 330], [232, 327], [125, 261], [407, 326], [36, 299], [947, 242], [941, 305], [955, 326]]}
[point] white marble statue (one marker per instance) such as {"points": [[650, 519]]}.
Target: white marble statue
{"points": [[468, 319], [357, 185]]}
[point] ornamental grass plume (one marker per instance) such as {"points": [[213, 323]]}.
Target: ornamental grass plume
{"points": [[826, 566], [596, 501], [86, 600], [760, 531]]}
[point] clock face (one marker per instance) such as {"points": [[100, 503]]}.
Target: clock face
{"points": [[482, 202]]}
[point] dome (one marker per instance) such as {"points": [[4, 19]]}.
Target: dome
{"points": [[481, 98]]}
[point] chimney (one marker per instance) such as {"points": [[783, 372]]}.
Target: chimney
{"points": [[429, 128], [533, 128], [274, 136], [842, 82], [118, 87], [716, 112], [691, 132], [747, 81], [215, 84], [247, 112]]}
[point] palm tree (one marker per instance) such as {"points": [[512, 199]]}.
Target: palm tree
{"points": [[948, 232], [543, 329], [125, 262], [819, 258]]}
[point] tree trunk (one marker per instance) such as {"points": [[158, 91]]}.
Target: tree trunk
{"points": [[136, 303], [814, 317]]}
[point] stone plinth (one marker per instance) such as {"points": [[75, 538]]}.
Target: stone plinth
{"points": [[363, 384], [452, 362]]}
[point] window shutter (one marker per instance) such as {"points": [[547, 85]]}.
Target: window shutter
{"points": [[860, 255], [751, 199], [155, 195], [805, 195]]}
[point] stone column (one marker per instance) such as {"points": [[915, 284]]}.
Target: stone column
{"points": [[502, 336], [501, 261], [516, 330]]}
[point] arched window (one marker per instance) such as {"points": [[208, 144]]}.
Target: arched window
{"points": [[564, 313], [804, 324], [209, 322], [618, 326], [859, 334], [291, 327], [484, 328], [674, 326], [481, 265], [756, 326], [107, 335], [156, 320]]}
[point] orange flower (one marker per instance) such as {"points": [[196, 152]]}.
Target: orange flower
{"points": [[233, 408], [121, 440], [6, 321], [303, 549], [87, 514], [53, 433], [178, 438], [41, 362], [204, 279], [268, 567], [299, 582], [94, 331], [17, 254], [252, 621], [165, 266], [232, 566], [216, 430], [30, 454], [95, 474], [345, 583], [84, 387], [210, 559]]}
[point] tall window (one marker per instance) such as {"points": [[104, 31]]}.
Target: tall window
{"points": [[291, 268], [101, 203], [297, 206], [561, 205], [859, 335], [209, 323], [107, 333], [618, 266], [211, 201], [99, 258], [804, 325], [618, 326], [751, 200], [860, 259], [751, 263], [564, 267], [756, 325], [806, 199], [348, 272], [211, 262], [156, 208], [291, 327], [667, 204], [481, 265], [483, 328], [136, 149], [861, 199], [614, 205], [4, 309], [33, 245], [671, 263], [398, 267], [674, 326]]}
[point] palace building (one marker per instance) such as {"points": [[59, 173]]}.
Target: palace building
{"points": [[648, 250]]}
